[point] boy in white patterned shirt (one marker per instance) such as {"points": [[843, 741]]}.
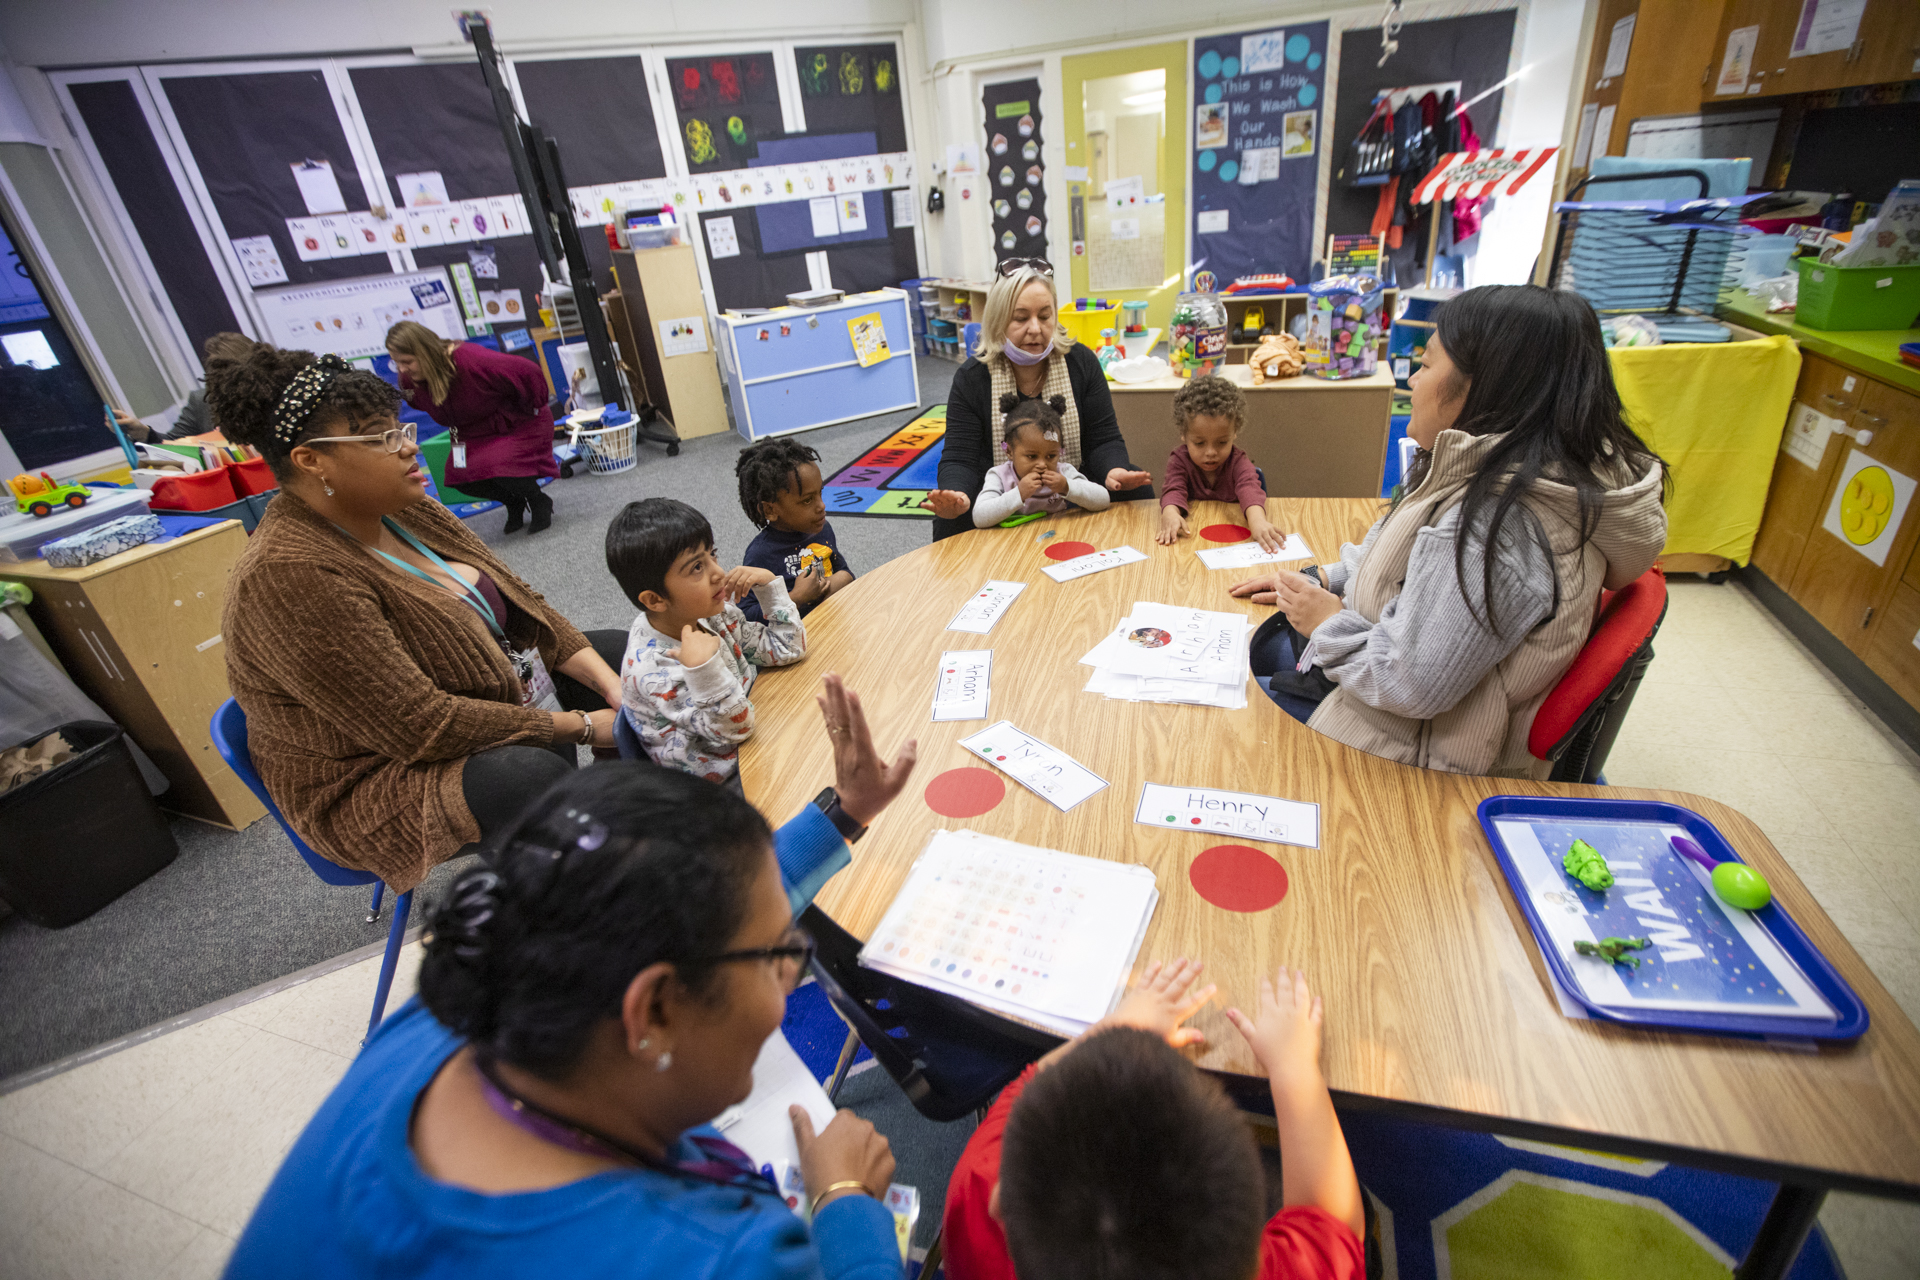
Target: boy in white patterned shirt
{"points": [[692, 655]]}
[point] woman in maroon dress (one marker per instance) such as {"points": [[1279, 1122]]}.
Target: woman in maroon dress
{"points": [[495, 406]]}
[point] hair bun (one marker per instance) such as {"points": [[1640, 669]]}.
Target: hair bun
{"points": [[1009, 402], [1057, 403]]}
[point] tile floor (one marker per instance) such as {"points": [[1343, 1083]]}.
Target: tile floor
{"points": [[146, 1163]]}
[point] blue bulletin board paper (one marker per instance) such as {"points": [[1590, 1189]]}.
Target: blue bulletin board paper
{"points": [[1253, 188]]}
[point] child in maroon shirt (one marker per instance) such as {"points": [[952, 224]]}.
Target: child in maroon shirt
{"points": [[1114, 1157], [1207, 466]]}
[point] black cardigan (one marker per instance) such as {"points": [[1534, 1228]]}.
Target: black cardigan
{"points": [[967, 454]]}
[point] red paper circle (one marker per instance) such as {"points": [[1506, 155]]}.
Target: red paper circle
{"points": [[1234, 877], [1225, 533], [1068, 550], [965, 793]]}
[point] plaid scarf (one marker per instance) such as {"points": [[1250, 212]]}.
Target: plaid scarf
{"points": [[1056, 390]]}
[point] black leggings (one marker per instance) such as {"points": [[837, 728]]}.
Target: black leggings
{"points": [[512, 492], [499, 783]]}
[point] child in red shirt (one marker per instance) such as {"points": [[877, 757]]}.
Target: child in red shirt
{"points": [[1114, 1157], [1207, 466]]}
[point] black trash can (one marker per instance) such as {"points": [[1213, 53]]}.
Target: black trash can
{"points": [[80, 835]]}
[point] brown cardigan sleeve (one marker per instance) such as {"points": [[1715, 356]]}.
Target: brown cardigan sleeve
{"points": [[559, 639], [369, 688]]}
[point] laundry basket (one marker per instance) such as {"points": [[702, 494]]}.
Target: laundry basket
{"points": [[607, 449]]}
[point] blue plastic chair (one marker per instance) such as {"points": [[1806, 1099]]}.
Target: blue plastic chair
{"points": [[230, 740]]}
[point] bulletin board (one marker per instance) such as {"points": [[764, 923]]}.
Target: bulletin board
{"points": [[858, 91], [725, 106], [289, 118], [1014, 164], [134, 162], [1259, 102], [751, 277], [350, 318]]}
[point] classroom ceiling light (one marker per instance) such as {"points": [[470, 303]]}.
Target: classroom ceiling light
{"points": [[1157, 98]]}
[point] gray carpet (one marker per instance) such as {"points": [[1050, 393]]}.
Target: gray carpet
{"points": [[238, 909]]}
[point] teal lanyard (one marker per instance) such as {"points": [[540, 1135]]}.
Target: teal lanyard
{"points": [[467, 590]]}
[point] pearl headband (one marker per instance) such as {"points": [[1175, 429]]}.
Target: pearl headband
{"points": [[297, 401]]}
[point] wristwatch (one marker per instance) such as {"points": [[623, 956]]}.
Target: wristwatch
{"points": [[828, 802]]}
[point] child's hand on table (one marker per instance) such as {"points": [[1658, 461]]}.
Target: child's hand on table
{"points": [[696, 646], [744, 579], [809, 585], [1285, 1033], [1306, 603], [1264, 531], [947, 504], [1173, 526], [1162, 1000]]}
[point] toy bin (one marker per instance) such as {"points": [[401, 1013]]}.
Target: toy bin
{"points": [[81, 834], [251, 477], [1085, 326], [1857, 297], [195, 491]]}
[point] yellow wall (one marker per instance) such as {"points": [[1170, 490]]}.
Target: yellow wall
{"points": [[1074, 73]]}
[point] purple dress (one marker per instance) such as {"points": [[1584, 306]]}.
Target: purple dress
{"points": [[497, 408]]}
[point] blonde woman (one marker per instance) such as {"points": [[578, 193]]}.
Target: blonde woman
{"points": [[1026, 355], [495, 407]]}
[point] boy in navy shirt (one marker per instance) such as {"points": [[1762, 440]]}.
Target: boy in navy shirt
{"points": [[780, 492]]}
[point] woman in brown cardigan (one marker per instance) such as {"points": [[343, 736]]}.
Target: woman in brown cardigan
{"points": [[405, 693]]}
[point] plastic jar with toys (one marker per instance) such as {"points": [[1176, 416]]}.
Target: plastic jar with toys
{"points": [[1197, 335]]}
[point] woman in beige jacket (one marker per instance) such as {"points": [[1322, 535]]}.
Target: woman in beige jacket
{"points": [[1439, 636]]}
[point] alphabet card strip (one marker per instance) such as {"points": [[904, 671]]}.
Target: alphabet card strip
{"points": [[1081, 566], [1048, 772], [1230, 813], [960, 692], [979, 614]]}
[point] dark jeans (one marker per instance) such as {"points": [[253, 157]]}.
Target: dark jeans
{"points": [[501, 782], [1272, 653], [515, 493]]}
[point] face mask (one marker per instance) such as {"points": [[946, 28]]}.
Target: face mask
{"points": [[1021, 357]]}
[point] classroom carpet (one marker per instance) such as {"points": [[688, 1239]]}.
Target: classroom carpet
{"points": [[893, 478]]}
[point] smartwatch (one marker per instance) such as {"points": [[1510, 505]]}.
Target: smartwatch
{"points": [[828, 802]]}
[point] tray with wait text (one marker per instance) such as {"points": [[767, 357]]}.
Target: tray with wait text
{"points": [[1706, 966]]}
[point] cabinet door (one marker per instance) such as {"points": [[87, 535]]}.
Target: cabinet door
{"points": [[1777, 20], [1794, 499], [1893, 653], [1836, 581], [1882, 50]]}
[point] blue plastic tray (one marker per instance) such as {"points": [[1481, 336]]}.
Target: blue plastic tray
{"points": [[1852, 1019]]}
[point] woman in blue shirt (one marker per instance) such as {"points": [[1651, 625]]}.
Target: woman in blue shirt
{"points": [[594, 993]]}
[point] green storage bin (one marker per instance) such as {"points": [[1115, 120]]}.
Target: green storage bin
{"points": [[1857, 297], [435, 452]]}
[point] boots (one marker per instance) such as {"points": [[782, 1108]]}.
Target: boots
{"points": [[516, 517], [542, 514]]}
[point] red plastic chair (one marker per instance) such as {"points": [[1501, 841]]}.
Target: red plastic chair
{"points": [[1576, 725]]}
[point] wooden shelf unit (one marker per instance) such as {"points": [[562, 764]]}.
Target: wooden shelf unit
{"points": [[1281, 309], [949, 307]]}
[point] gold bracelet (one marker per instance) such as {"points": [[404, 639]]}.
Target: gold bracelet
{"points": [[842, 1186]]}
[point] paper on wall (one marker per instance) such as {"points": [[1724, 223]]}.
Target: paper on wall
{"points": [[364, 230], [823, 210], [1826, 26], [513, 309], [421, 190], [504, 213], [1263, 51], [337, 233], [1208, 221], [1868, 505], [904, 208], [260, 261], [318, 187], [1736, 64], [1805, 440], [423, 227], [1583, 142], [852, 212], [1618, 46], [685, 336], [1602, 133], [723, 241]]}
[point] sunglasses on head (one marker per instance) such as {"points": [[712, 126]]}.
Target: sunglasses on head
{"points": [[1014, 266]]}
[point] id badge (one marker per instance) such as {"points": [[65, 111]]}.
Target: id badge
{"points": [[458, 456], [536, 684]]}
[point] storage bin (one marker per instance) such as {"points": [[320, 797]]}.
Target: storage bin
{"points": [[251, 477], [1857, 297], [195, 491], [80, 835], [1085, 326]]}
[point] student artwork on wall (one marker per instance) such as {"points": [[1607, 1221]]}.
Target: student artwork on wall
{"points": [[1259, 104], [1015, 169], [725, 105]]}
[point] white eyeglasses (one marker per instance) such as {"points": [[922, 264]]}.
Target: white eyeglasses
{"points": [[390, 440]]}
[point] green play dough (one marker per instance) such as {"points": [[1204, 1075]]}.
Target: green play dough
{"points": [[1584, 863]]}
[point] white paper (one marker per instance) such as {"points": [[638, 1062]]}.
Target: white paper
{"points": [[1868, 505], [503, 215], [337, 233], [1245, 554], [1193, 693], [1263, 51], [512, 309], [1269, 157], [1583, 143], [723, 241], [454, 224], [985, 606], [421, 190], [684, 336], [760, 1126], [1737, 62], [852, 212], [1063, 963], [824, 211], [260, 261], [1208, 221], [904, 208], [1229, 813], [1618, 46], [1048, 772], [963, 685], [318, 187], [1805, 440], [1826, 26], [962, 159], [1173, 642], [1249, 174], [490, 305], [1074, 172], [367, 232], [1602, 133], [1096, 562], [1123, 228], [424, 227], [1126, 191]]}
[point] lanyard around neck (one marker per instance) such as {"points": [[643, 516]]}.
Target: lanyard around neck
{"points": [[467, 591]]}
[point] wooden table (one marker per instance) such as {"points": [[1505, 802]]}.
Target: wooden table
{"points": [[1438, 1003], [1313, 438]]}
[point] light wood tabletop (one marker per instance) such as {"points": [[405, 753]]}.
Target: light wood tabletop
{"points": [[1437, 998]]}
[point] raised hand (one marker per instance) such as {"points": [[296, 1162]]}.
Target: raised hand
{"points": [[947, 504], [1120, 478], [866, 784]]}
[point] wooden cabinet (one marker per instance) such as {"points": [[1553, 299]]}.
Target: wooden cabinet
{"points": [[659, 287], [1883, 49], [1798, 490], [1834, 580], [1892, 652]]}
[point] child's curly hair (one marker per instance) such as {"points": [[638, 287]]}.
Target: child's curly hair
{"points": [[1211, 396], [244, 386], [768, 469], [1038, 414]]}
